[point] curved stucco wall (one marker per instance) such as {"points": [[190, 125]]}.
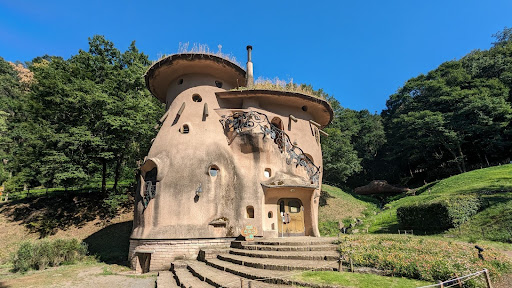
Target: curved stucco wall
{"points": [[178, 210]]}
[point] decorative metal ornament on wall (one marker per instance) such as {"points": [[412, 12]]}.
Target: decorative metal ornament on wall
{"points": [[240, 121], [149, 193]]}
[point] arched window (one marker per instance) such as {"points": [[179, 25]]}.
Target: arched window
{"points": [[277, 128], [149, 188], [250, 212], [267, 172]]}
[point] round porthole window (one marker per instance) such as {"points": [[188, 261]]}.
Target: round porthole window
{"points": [[213, 170], [197, 98], [184, 129]]}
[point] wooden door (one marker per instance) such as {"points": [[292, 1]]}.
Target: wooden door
{"points": [[291, 217]]}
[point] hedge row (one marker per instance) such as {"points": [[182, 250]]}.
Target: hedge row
{"points": [[439, 214]]}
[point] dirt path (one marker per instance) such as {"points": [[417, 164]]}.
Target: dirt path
{"points": [[79, 276]]}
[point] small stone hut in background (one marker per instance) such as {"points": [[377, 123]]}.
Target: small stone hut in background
{"points": [[223, 159]]}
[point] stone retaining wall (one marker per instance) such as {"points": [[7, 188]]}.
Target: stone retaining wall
{"points": [[163, 252]]}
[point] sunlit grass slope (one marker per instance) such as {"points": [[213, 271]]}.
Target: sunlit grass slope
{"points": [[492, 185], [339, 206]]}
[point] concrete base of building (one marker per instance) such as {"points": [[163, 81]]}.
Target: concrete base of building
{"points": [[157, 255]]}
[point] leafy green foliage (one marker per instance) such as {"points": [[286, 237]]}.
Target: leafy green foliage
{"points": [[423, 258], [440, 214], [354, 139], [83, 118], [46, 253], [491, 186], [453, 119]]}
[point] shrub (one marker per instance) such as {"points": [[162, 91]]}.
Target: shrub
{"points": [[47, 253], [114, 202], [421, 257], [440, 214], [328, 228]]}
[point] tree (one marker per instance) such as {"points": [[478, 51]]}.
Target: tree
{"points": [[456, 116], [85, 115]]}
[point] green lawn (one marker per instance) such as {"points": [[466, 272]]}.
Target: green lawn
{"points": [[494, 187], [339, 206], [359, 280]]}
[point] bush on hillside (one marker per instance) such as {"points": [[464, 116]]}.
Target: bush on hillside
{"points": [[440, 214], [47, 253]]}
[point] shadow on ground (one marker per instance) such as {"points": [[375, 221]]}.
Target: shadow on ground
{"points": [[47, 215], [111, 244]]}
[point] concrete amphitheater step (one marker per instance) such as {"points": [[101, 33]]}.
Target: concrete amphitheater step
{"points": [[221, 278], [295, 255], [293, 241], [166, 279], [280, 264], [271, 277], [187, 279], [324, 247]]}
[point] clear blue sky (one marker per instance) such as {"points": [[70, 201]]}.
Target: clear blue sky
{"points": [[359, 51]]}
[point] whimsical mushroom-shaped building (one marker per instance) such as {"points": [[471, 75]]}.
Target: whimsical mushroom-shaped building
{"points": [[224, 159]]}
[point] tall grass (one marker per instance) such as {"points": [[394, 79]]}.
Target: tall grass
{"points": [[277, 84]]}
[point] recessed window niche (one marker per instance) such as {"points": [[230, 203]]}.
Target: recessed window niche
{"points": [[250, 212], [180, 81], [213, 170], [197, 98], [218, 84], [267, 173], [184, 129]]}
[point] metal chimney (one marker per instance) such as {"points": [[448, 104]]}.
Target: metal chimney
{"points": [[250, 74]]}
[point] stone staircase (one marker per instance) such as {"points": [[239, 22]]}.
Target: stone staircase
{"points": [[260, 263]]}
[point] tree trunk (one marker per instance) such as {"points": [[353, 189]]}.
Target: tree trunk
{"points": [[487, 160], [462, 158], [118, 170], [104, 177]]}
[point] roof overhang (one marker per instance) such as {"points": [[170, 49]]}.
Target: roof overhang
{"points": [[164, 71], [319, 108]]}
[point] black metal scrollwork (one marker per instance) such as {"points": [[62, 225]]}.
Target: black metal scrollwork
{"points": [[149, 192], [240, 121]]}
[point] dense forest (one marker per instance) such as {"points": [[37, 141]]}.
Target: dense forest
{"points": [[70, 122], [453, 119], [89, 118]]}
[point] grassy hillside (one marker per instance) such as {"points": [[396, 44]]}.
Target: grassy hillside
{"points": [[492, 185], [339, 206]]}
